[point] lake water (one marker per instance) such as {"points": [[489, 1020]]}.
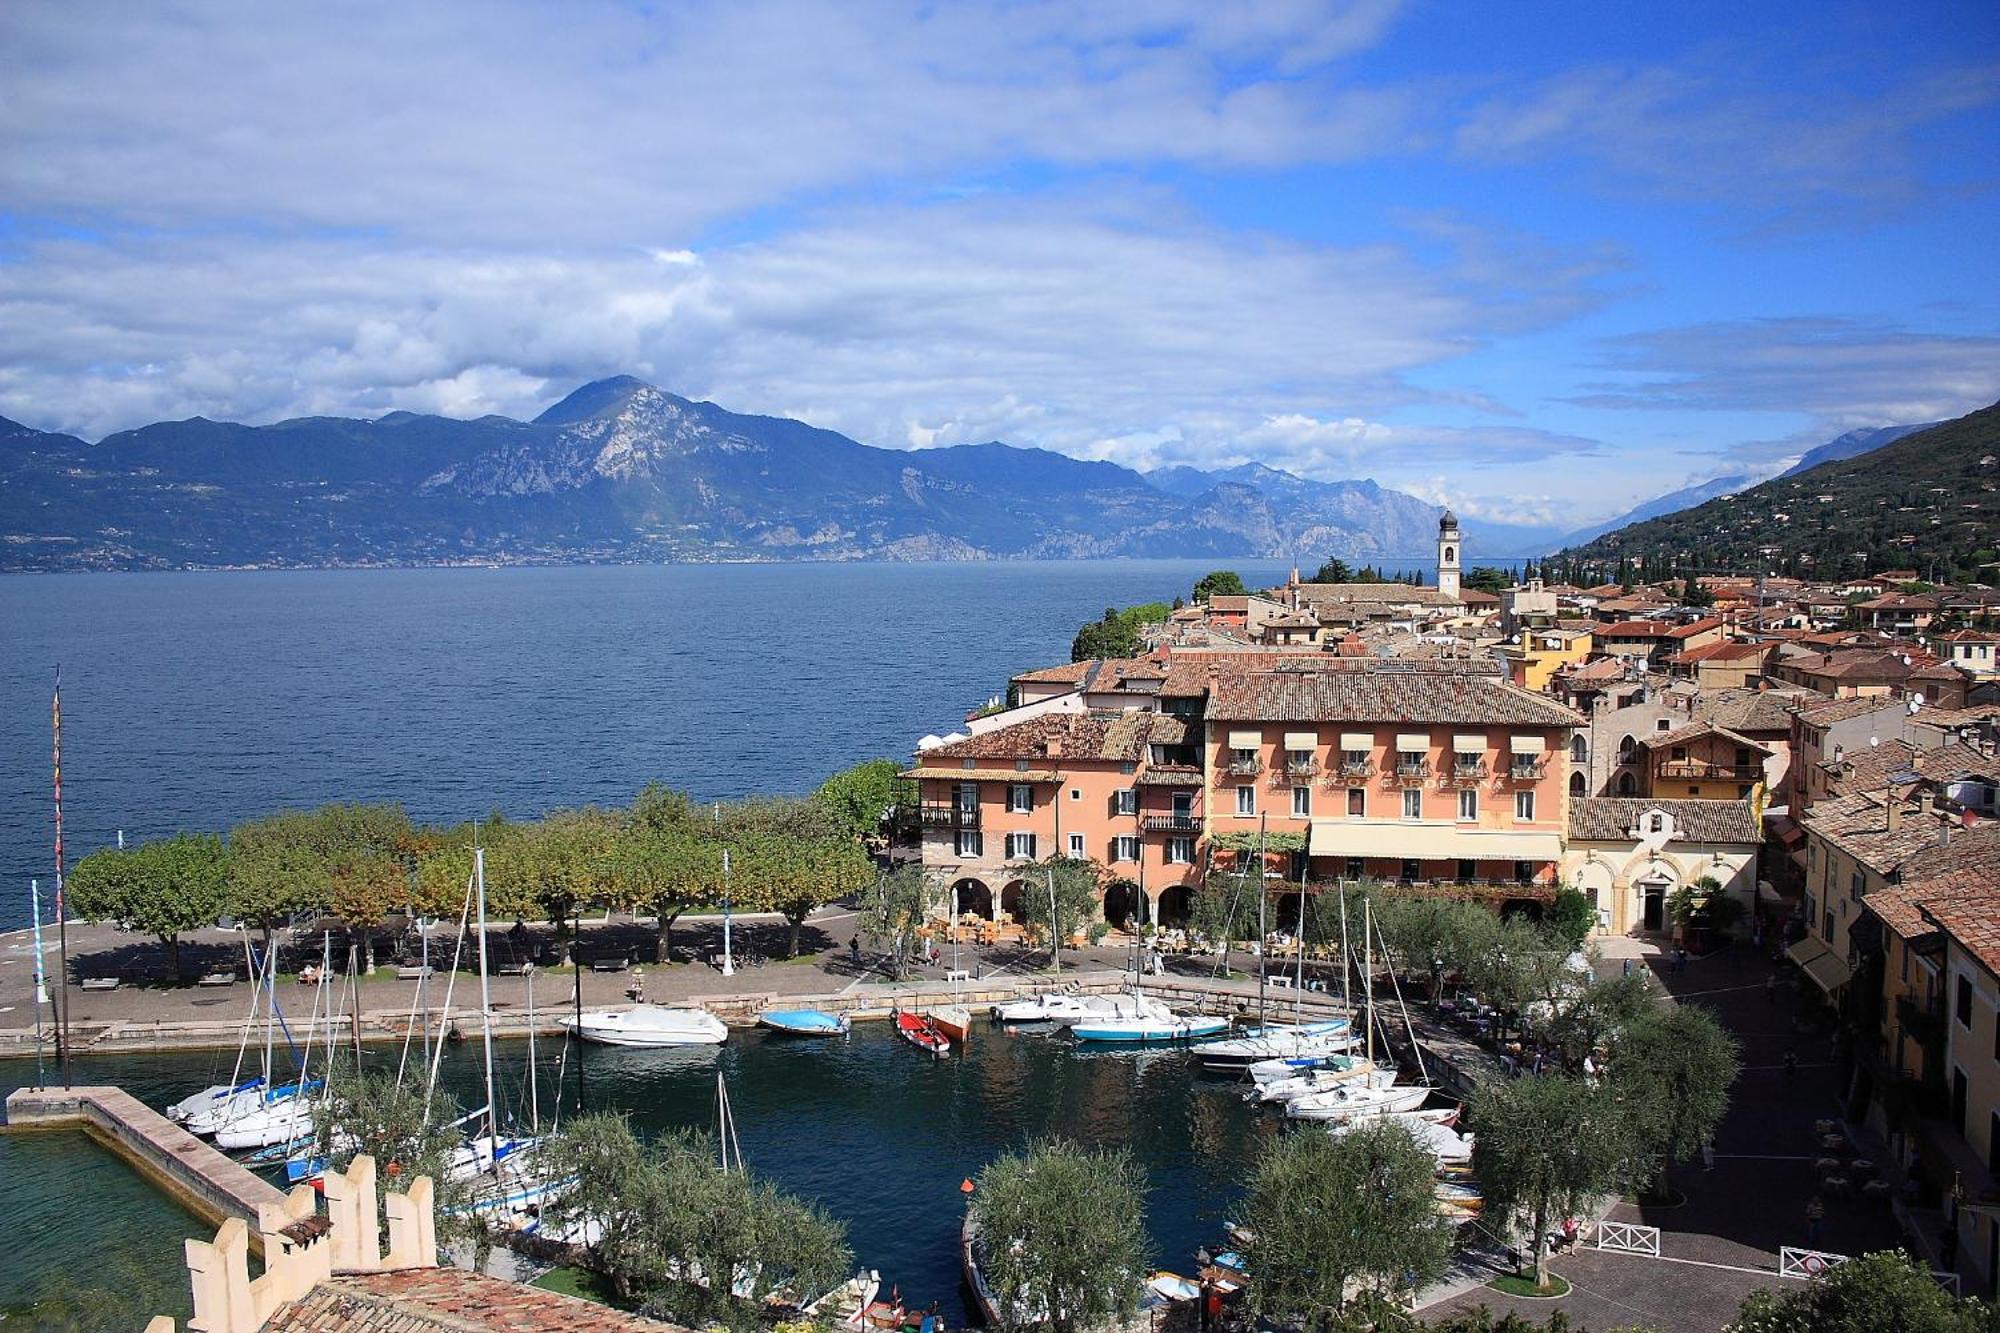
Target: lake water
{"points": [[878, 1133], [194, 700]]}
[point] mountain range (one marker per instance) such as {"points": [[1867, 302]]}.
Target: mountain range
{"points": [[621, 470], [1929, 499]]}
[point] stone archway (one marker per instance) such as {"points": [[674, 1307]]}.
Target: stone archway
{"points": [[1627, 784], [1578, 785], [1014, 901], [1124, 905], [971, 895], [1175, 900]]}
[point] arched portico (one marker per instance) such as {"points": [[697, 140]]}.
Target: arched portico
{"points": [[1124, 904], [1014, 901], [971, 895]]}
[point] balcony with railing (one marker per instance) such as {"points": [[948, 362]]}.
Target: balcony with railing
{"points": [[947, 816], [1463, 773], [1527, 768], [1242, 767], [1704, 770], [1293, 771], [1923, 1022], [1346, 772], [1409, 771], [1172, 823]]}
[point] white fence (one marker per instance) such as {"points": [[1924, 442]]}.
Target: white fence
{"points": [[1807, 1264], [1628, 1238]]}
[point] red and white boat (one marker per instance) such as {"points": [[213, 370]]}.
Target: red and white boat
{"points": [[921, 1031]]}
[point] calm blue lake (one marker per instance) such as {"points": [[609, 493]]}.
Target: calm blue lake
{"points": [[193, 700]]}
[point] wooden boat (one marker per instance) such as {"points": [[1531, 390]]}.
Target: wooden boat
{"points": [[1173, 1286], [846, 1306], [804, 1022], [954, 1020], [922, 1032]]}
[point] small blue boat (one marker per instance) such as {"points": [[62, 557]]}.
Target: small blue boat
{"points": [[804, 1022]]}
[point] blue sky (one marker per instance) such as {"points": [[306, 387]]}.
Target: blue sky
{"points": [[1539, 263]]}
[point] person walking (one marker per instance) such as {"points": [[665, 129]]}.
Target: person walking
{"points": [[1708, 1153], [854, 949], [1815, 1214]]}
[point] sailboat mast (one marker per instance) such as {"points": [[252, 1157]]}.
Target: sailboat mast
{"points": [[1299, 964], [486, 1005], [1368, 969], [534, 1086], [62, 914], [1346, 961], [1263, 943]]}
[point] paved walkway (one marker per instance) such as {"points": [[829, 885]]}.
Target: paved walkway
{"points": [[1738, 1215]]}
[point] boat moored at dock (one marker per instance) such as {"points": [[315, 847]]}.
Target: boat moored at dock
{"points": [[649, 1025]]}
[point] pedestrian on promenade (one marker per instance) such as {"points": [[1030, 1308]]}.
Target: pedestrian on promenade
{"points": [[1815, 1214], [1708, 1153], [854, 949]]}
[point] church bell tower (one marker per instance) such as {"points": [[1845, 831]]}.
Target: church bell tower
{"points": [[1448, 553]]}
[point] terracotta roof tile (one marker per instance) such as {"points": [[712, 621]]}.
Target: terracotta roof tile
{"points": [[1972, 919], [1429, 693], [447, 1300], [1611, 819]]}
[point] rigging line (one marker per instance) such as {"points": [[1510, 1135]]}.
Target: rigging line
{"points": [[444, 1015]]}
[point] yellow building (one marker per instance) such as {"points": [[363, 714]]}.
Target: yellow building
{"points": [[1704, 762], [1537, 654]]}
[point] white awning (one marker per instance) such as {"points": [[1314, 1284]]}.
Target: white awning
{"points": [[1468, 743], [1429, 842], [1412, 740], [1357, 740], [1245, 740], [1526, 744], [1302, 740]]}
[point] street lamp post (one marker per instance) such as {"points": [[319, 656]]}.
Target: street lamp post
{"points": [[728, 962]]}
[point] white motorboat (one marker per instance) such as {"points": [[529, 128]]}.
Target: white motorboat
{"points": [[1345, 1103], [1169, 1026], [1450, 1147], [1276, 1043], [649, 1025], [1055, 1007], [1310, 1082]]}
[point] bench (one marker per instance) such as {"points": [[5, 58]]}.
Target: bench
{"points": [[1279, 979], [615, 963], [217, 979], [100, 983], [520, 969], [958, 974], [413, 972]]}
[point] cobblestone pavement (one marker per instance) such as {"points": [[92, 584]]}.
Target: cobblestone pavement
{"points": [[1754, 1199]]}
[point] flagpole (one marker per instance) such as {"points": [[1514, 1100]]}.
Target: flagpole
{"points": [[41, 980], [62, 912]]}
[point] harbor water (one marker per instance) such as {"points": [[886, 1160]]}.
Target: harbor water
{"points": [[878, 1133]]}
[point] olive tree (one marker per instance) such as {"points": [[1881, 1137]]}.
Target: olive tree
{"points": [[1671, 1069], [1332, 1219], [1543, 1147], [1059, 897], [892, 910], [1884, 1290], [1062, 1236]]}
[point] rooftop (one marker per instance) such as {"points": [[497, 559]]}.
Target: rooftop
{"points": [[448, 1300], [1611, 819], [1420, 693]]}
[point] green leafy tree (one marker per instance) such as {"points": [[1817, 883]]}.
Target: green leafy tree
{"points": [[1059, 898], [1219, 583], [409, 1133], [1223, 911], [1543, 1148], [362, 888], [1867, 1294], [665, 1222], [1672, 1068], [164, 889], [1570, 918], [1487, 578], [1118, 633], [1586, 1023], [662, 872], [274, 871], [892, 909], [551, 868], [1062, 1236], [1327, 1212], [1334, 570], [793, 857], [861, 797]]}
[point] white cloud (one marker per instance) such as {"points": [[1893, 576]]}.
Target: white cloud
{"points": [[1039, 322]]}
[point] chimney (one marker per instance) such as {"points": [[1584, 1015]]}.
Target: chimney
{"points": [[1054, 748], [1895, 814]]}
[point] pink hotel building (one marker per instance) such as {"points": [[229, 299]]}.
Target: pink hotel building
{"points": [[1439, 775]]}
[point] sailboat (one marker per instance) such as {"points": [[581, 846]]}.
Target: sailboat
{"points": [[1276, 1042]]}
